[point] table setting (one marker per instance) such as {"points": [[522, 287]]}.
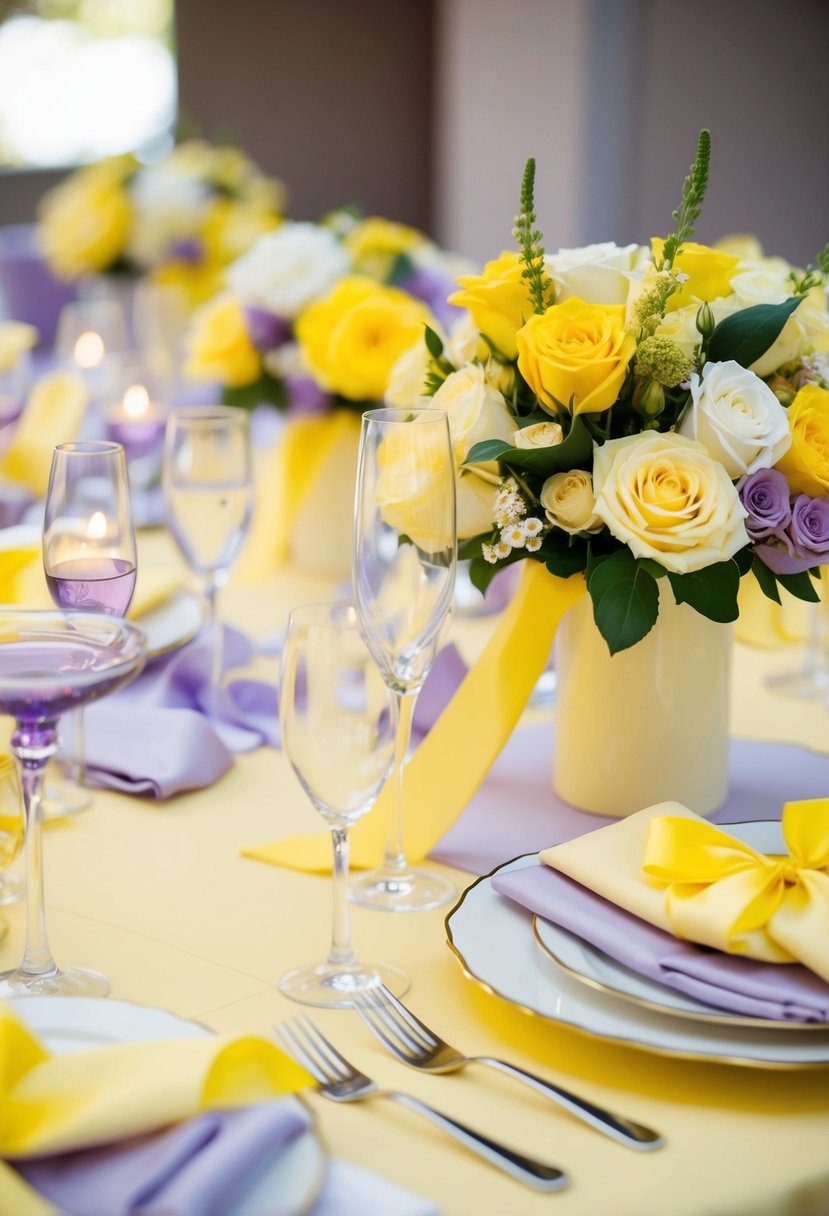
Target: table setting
{"points": [[570, 954]]}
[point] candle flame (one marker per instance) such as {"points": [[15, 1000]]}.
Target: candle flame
{"points": [[136, 401], [89, 350], [96, 529]]}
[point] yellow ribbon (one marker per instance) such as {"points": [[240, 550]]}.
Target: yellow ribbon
{"points": [[725, 894], [53, 414], [284, 486], [464, 743]]}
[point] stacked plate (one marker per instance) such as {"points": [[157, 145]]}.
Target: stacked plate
{"points": [[548, 971]]}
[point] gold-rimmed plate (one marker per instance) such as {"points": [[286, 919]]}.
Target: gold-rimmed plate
{"points": [[493, 940]]}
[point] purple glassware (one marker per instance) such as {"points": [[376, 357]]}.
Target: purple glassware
{"points": [[51, 662]]}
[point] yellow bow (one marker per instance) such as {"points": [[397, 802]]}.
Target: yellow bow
{"points": [[725, 894]]}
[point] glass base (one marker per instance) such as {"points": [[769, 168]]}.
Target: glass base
{"points": [[405, 891], [75, 981], [334, 987], [62, 797], [808, 684]]}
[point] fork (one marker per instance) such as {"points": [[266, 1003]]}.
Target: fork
{"points": [[342, 1082], [412, 1042]]}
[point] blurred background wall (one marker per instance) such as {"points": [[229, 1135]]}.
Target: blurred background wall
{"points": [[425, 111]]}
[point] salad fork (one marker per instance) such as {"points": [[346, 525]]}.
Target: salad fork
{"points": [[342, 1082], [413, 1043]]}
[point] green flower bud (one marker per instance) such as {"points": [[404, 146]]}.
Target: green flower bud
{"points": [[705, 321], [649, 398]]}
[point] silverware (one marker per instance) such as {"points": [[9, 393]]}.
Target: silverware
{"points": [[412, 1042], [342, 1082]]}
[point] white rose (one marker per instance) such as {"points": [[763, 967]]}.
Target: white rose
{"points": [[569, 502], [665, 498], [407, 378], [285, 270], [476, 412], [167, 207], [598, 274], [540, 435], [465, 343], [737, 418]]}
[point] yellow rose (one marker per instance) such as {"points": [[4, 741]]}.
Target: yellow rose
{"points": [[413, 479], [499, 301], [709, 272], [231, 227], [569, 502], [219, 347], [540, 435], [351, 339], [576, 351], [85, 221], [667, 499], [375, 243], [806, 464]]}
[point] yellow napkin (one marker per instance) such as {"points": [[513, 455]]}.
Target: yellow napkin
{"points": [[154, 586], [21, 568], [53, 1103], [53, 415], [462, 746], [679, 872], [15, 338]]}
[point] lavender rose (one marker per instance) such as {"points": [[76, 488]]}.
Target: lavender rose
{"points": [[806, 539], [765, 495]]}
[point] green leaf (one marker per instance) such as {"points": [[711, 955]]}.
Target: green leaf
{"points": [[711, 591], [766, 579], [481, 573], [266, 390], [575, 452], [402, 268], [748, 334], [560, 556], [469, 549], [625, 600], [744, 558], [653, 568], [434, 345], [800, 586]]}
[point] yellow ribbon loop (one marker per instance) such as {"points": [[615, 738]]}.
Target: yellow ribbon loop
{"points": [[725, 894]]}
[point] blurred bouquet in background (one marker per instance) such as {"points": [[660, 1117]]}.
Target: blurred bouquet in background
{"points": [[181, 220], [316, 315], [639, 414]]}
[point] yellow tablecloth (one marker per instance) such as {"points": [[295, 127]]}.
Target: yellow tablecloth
{"points": [[158, 897]]}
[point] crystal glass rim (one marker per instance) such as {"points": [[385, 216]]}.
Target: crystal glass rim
{"points": [[390, 415], [41, 622], [89, 447], [203, 415]]}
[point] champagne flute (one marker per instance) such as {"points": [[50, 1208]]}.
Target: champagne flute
{"points": [[11, 833], [89, 554], [338, 731], [405, 554], [208, 489]]}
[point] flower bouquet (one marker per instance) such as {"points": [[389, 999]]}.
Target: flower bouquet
{"points": [[648, 425]]}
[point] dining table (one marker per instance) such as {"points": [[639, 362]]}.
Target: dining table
{"points": [[159, 896]]}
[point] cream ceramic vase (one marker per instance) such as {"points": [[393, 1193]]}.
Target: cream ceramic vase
{"points": [[647, 724], [322, 535]]}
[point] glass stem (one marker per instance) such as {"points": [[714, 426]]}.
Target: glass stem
{"points": [[340, 952], [33, 747], [80, 747], [211, 591], [395, 858]]}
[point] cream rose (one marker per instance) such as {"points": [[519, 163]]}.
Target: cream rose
{"points": [[540, 435], [413, 479], [476, 411], [598, 274], [407, 378], [568, 501], [286, 270], [737, 419], [667, 499]]}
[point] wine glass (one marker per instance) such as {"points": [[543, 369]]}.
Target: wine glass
{"points": [[89, 333], [338, 731], [208, 490], [51, 662], [405, 554], [89, 555], [11, 833]]}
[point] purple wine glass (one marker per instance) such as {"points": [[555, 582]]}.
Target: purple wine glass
{"points": [[51, 662]]}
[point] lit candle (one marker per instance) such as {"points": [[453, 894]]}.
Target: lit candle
{"points": [[89, 350], [136, 422]]}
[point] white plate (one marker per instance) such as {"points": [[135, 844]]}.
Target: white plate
{"points": [[68, 1024], [492, 937], [592, 966], [171, 624]]}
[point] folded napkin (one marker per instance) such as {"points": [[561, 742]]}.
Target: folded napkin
{"points": [[53, 414], [738, 985], [680, 873], [169, 731]]}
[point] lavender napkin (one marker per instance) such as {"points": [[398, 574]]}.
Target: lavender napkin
{"points": [[169, 731], [739, 985]]}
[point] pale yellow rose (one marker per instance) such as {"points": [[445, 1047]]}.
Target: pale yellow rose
{"points": [[465, 344], [665, 498], [476, 411], [740, 245], [599, 274], [218, 345], [709, 272], [806, 464], [575, 355], [499, 301], [352, 338], [539, 435], [569, 502], [375, 243], [85, 221], [406, 388], [414, 476], [15, 339]]}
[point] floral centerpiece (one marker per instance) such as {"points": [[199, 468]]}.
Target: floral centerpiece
{"points": [[182, 219], [651, 425]]}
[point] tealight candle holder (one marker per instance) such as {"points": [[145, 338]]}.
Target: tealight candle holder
{"points": [[137, 421]]}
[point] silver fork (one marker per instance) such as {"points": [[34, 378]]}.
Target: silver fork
{"points": [[412, 1042], [342, 1082]]}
